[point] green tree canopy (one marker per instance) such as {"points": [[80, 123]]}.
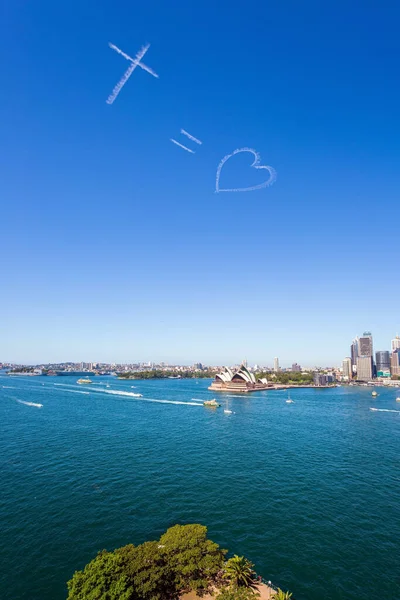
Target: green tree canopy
{"points": [[151, 576], [105, 577], [195, 559], [183, 559]]}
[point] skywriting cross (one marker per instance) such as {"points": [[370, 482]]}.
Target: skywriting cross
{"points": [[135, 63]]}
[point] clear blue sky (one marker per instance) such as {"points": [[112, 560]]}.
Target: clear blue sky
{"points": [[114, 245]]}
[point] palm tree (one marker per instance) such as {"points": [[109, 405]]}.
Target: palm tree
{"points": [[281, 595], [240, 571]]}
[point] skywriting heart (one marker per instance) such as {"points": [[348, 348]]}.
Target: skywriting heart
{"points": [[255, 165]]}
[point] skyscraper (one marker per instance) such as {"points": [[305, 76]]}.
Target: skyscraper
{"points": [[354, 352], [365, 361], [365, 345], [276, 364], [396, 343], [365, 368], [395, 362], [382, 361], [347, 368]]}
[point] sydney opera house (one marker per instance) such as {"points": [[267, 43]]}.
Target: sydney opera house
{"points": [[242, 381]]}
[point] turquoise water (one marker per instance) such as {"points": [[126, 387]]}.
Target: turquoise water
{"points": [[309, 491]]}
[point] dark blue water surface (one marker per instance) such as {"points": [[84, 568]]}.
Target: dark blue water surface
{"points": [[308, 491]]}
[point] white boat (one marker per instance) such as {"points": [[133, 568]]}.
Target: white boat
{"points": [[398, 399], [374, 393], [289, 400], [84, 380], [227, 410]]}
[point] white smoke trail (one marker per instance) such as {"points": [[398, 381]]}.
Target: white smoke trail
{"points": [[136, 59], [121, 84], [191, 137], [255, 165], [182, 146], [135, 63], [121, 52]]}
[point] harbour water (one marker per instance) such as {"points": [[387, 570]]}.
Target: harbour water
{"points": [[309, 491]]}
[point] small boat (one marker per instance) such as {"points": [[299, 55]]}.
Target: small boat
{"points": [[398, 399], [374, 393], [227, 410], [211, 403], [289, 400], [82, 381], [373, 408]]}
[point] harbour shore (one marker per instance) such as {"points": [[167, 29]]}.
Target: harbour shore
{"points": [[265, 593]]}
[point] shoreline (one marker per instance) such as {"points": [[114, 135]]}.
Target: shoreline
{"points": [[266, 593]]}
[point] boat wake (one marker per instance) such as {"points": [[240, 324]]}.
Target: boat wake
{"points": [[8, 387], [140, 397], [65, 384], [384, 410], [30, 404], [77, 392], [173, 402], [118, 393]]}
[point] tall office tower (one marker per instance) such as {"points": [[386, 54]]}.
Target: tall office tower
{"points": [[396, 343], [395, 362], [354, 351], [365, 368], [365, 344], [382, 361], [347, 368], [276, 364]]}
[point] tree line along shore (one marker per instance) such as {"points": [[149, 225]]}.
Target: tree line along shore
{"points": [[183, 564], [290, 377]]}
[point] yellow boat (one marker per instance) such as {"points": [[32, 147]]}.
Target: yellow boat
{"points": [[87, 380], [211, 403]]}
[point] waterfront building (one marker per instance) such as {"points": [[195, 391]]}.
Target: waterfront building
{"points": [[242, 381], [396, 343], [365, 368], [382, 359], [276, 364], [320, 380], [395, 362], [296, 368], [347, 369]]}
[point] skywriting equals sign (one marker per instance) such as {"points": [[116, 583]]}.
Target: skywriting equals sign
{"points": [[191, 137]]}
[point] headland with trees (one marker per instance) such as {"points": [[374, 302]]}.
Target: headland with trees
{"points": [[182, 564]]}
